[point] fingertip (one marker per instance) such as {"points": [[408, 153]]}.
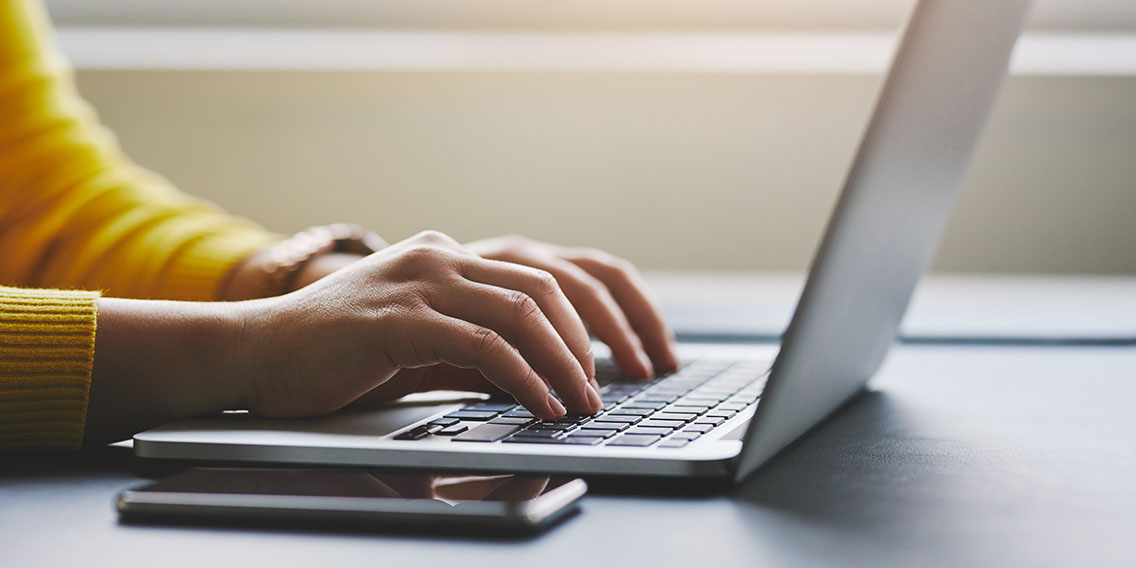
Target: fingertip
{"points": [[645, 363], [555, 407], [595, 403], [673, 363]]}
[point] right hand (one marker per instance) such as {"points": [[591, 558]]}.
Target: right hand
{"points": [[420, 302]]}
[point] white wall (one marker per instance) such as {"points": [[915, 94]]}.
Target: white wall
{"points": [[671, 169]]}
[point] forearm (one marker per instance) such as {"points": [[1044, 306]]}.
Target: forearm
{"points": [[157, 361]]}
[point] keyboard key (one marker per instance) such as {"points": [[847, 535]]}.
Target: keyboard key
{"points": [[650, 431], [569, 419], [700, 409], [634, 411], [684, 416], [602, 433], [733, 406], [452, 430], [528, 440], [443, 422], [519, 413], [644, 404], [486, 433], [710, 420], [418, 432], [539, 433], [634, 440], [551, 426], [700, 400], [472, 415], [492, 406], [686, 436], [518, 421], [664, 398], [625, 418], [700, 428], [668, 424], [580, 440], [674, 443], [715, 392], [721, 413]]}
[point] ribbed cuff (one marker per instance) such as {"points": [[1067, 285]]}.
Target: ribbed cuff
{"points": [[47, 345]]}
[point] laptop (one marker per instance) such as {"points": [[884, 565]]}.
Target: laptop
{"points": [[729, 409]]}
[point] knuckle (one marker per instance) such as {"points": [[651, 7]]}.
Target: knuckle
{"points": [[419, 253], [487, 342], [424, 259], [433, 236], [544, 282], [523, 306]]}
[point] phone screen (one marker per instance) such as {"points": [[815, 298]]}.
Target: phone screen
{"points": [[314, 494], [354, 483]]}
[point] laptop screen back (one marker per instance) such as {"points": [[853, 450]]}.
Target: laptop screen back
{"points": [[896, 201]]}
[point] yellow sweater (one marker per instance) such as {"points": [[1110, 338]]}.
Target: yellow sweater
{"points": [[75, 214]]}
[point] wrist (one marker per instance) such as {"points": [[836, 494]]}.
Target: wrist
{"points": [[287, 265], [322, 266], [249, 356], [157, 361]]}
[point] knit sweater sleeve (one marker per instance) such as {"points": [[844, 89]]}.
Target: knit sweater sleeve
{"points": [[47, 340], [74, 211]]}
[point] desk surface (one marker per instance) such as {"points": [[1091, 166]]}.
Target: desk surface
{"points": [[958, 456], [945, 307]]}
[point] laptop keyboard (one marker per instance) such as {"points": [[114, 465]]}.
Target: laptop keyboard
{"points": [[669, 411]]}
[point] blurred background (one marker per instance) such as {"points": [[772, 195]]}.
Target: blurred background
{"points": [[681, 134]]}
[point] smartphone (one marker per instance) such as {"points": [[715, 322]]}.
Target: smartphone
{"points": [[354, 497]]}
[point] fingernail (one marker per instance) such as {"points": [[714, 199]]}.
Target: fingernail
{"points": [[646, 362], [675, 360], [555, 406], [594, 398]]}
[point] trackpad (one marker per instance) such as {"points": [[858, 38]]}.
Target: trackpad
{"points": [[370, 422]]}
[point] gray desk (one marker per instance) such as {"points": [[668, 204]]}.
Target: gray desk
{"points": [[959, 456]]}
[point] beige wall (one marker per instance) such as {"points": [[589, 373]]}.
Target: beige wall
{"points": [[669, 170]]}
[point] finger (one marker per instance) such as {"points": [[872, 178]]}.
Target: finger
{"points": [[439, 338], [630, 292], [518, 317], [542, 288], [599, 311], [519, 488]]}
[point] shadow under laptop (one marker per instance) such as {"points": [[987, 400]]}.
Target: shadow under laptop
{"points": [[871, 415], [864, 469]]}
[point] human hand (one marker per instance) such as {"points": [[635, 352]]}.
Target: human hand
{"points": [[418, 303], [609, 295]]}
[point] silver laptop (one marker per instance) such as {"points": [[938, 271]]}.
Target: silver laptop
{"points": [[729, 409]]}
